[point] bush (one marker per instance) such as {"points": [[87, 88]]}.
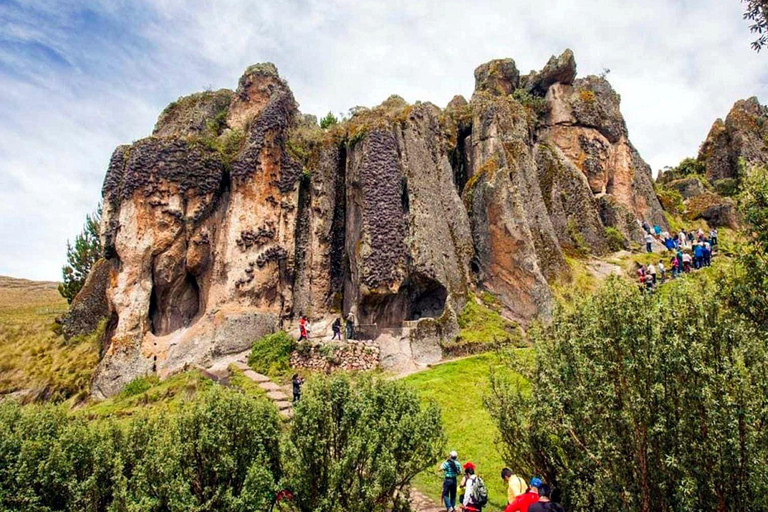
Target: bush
{"points": [[616, 241], [219, 453], [353, 445], [726, 187], [328, 121], [671, 200], [644, 403], [271, 355]]}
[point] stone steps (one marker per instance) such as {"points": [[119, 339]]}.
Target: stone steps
{"points": [[274, 391]]}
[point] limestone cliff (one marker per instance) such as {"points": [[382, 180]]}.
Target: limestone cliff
{"points": [[239, 214]]}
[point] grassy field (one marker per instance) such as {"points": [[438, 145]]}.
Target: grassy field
{"points": [[37, 362], [459, 388]]}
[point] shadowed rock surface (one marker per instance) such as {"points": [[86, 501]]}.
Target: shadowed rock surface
{"points": [[240, 214]]}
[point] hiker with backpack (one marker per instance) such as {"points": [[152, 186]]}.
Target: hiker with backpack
{"points": [[336, 327], [475, 492], [515, 484], [451, 469]]}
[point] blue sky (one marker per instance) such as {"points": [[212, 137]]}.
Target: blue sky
{"points": [[78, 78]]}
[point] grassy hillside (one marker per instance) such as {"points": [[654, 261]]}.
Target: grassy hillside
{"points": [[35, 361], [459, 388]]}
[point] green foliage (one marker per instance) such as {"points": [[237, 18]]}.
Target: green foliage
{"points": [[352, 445], [81, 257], [535, 106], [671, 200], [748, 295], [328, 121], [220, 453], [757, 14], [483, 324], [271, 355], [645, 402], [139, 385], [726, 187], [688, 167], [616, 241]]}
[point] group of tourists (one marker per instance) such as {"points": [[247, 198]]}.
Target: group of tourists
{"points": [[335, 327], [691, 250], [522, 496]]}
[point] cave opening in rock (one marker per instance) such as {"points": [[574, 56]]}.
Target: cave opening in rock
{"points": [[173, 306], [419, 297]]}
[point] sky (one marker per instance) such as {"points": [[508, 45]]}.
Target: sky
{"points": [[78, 78]]}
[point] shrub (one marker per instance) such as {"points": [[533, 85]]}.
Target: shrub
{"points": [[352, 446], [271, 355], [219, 453], [616, 241], [644, 403], [328, 121], [671, 200]]}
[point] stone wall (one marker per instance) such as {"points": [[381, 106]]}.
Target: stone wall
{"points": [[330, 356]]}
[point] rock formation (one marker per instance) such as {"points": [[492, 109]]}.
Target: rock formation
{"points": [[740, 140], [239, 214]]}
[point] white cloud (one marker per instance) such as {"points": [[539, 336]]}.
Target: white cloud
{"points": [[678, 65]]}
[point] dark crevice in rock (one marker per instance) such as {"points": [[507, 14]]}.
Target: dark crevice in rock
{"points": [[301, 238], [339, 263], [458, 158]]}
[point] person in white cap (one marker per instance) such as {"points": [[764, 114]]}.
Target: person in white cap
{"points": [[451, 469]]}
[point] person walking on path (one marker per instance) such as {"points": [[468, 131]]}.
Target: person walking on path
{"points": [[336, 329], [525, 500], [303, 328], [350, 325], [515, 484], [648, 242], [652, 272], [662, 272], [451, 469], [297, 382], [545, 504]]}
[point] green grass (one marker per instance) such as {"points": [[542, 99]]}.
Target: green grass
{"points": [[459, 387], [271, 356]]}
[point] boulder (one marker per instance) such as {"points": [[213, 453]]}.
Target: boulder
{"points": [[688, 187], [560, 69], [498, 76], [90, 306]]}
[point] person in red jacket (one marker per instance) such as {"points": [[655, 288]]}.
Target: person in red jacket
{"points": [[526, 499]]}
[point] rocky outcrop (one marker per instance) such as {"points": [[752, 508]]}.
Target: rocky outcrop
{"points": [[239, 214], [688, 187], [90, 306], [739, 141]]}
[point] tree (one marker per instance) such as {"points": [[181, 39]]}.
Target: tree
{"points": [[757, 15], [328, 120], [81, 257], [644, 403], [355, 447]]}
